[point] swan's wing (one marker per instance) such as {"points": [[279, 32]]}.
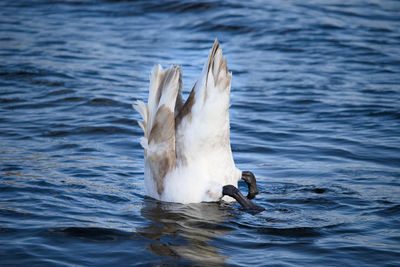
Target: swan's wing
{"points": [[202, 125], [159, 123]]}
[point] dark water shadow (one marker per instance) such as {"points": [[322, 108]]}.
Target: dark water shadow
{"points": [[185, 232]]}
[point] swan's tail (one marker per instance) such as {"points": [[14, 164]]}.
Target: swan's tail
{"points": [[159, 121]]}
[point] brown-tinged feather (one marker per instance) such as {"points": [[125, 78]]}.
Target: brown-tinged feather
{"points": [[163, 131], [186, 109]]}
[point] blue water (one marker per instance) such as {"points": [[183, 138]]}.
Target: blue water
{"points": [[315, 115]]}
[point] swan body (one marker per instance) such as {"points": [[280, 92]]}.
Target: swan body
{"points": [[188, 156]]}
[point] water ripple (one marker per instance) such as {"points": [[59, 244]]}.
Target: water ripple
{"points": [[314, 114]]}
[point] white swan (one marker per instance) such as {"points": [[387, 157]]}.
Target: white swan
{"points": [[188, 157]]}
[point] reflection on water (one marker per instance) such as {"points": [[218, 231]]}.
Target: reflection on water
{"points": [[185, 231]]}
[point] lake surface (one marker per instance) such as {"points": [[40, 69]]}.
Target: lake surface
{"points": [[315, 115]]}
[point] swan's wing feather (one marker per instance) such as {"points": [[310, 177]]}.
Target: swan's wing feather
{"points": [[159, 123], [202, 125]]}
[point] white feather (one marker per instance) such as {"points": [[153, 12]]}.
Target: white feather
{"points": [[204, 162]]}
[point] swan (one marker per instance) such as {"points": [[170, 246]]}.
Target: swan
{"points": [[187, 151]]}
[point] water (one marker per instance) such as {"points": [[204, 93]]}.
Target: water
{"points": [[315, 115]]}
